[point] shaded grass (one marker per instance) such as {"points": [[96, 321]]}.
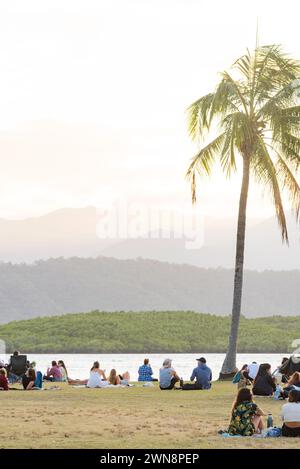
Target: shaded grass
{"points": [[126, 418]]}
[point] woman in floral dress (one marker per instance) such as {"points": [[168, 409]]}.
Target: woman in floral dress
{"points": [[246, 415]]}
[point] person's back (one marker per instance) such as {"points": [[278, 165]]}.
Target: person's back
{"points": [[291, 412], [38, 380], [290, 415], [241, 420], [203, 374], [145, 373], [63, 373], [264, 383], [94, 380], [55, 373], [165, 377], [253, 370]]}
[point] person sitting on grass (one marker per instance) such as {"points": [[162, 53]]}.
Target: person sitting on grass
{"points": [[114, 379], [17, 367], [202, 374], [53, 373], [63, 370], [240, 378], [264, 383], [3, 380], [279, 377], [251, 371], [97, 377], [293, 383], [167, 375], [246, 416], [145, 372], [28, 379], [290, 414]]}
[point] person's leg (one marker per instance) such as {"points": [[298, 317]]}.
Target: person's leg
{"points": [[78, 382], [173, 382], [12, 378], [258, 423]]}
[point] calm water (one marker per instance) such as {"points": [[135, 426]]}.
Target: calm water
{"points": [[78, 365]]}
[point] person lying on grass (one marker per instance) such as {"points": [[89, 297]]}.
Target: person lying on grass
{"points": [[115, 379], [290, 414], [246, 416]]}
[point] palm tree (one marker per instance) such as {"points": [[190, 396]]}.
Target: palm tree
{"points": [[256, 113]]}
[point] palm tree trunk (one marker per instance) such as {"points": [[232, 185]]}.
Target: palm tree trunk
{"points": [[229, 364]]}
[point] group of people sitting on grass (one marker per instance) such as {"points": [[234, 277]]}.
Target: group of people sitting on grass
{"points": [[266, 383], [246, 416], [20, 370], [201, 376]]}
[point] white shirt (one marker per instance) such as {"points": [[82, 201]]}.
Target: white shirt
{"points": [[290, 412], [95, 381], [253, 369]]}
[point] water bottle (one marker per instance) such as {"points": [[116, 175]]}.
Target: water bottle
{"points": [[181, 382], [270, 421]]}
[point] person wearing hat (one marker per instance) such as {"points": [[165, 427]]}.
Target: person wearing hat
{"points": [[203, 375], [167, 375]]}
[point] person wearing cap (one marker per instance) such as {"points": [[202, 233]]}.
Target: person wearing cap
{"points": [[167, 375], [202, 374]]}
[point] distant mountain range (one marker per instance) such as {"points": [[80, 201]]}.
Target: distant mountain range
{"points": [[59, 286], [72, 232]]}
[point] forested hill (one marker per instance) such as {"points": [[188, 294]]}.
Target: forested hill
{"points": [[147, 332], [60, 286]]}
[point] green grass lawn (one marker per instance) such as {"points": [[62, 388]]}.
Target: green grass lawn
{"points": [[134, 417]]}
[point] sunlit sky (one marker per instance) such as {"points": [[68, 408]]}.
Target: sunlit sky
{"points": [[93, 97]]}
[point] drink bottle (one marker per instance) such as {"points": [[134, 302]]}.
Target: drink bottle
{"points": [[270, 421]]}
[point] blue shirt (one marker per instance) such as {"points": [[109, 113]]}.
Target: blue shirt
{"points": [[165, 376], [203, 376], [145, 373]]}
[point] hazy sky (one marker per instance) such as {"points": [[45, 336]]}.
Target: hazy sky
{"points": [[93, 97]]}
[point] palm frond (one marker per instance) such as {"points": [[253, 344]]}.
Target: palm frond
{"points": [[198, 116], [265, 171], [203, 162], [290, 183]]}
